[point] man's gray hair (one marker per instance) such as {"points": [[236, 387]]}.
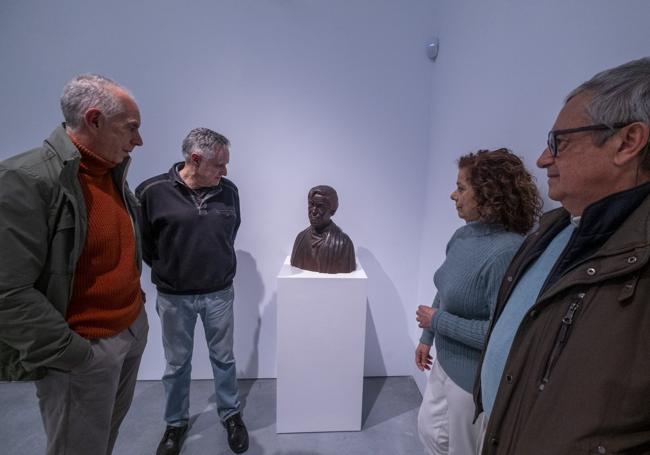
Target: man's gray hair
{"points": [[88, 91], [618, 95], [204, 142]]}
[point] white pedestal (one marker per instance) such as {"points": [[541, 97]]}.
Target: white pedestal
{"points": [[321, 337]]}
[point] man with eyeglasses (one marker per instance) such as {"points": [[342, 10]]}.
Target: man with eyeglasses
{"points": [[566, 368]]}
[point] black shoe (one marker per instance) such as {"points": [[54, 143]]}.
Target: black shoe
{"points": [[237, 434], [172, 440]]}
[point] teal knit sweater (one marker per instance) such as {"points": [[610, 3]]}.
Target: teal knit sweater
{"points": [[468, 281]]}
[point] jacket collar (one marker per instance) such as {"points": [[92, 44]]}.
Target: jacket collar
{"points": [[618, 225], [175, 177], [600, 221], [615, 224], [173, 173], [604, 217], [633, 228], [62, 147]]}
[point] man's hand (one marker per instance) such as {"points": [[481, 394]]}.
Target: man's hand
{"points": [[423, 315], [422, 357]]}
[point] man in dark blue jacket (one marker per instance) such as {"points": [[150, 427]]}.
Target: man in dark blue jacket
{"points": [[190, 217]]}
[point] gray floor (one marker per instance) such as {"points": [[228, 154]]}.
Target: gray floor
{"points": [[389, 422]]}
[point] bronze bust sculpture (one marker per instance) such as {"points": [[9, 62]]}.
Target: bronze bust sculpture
{"points": [[323, 247]]}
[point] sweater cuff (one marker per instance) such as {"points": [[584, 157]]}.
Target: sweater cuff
{"points": [[426, 337], [434, 321]]}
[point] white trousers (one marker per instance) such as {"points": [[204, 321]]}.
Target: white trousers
{"points": [[445, 418]]}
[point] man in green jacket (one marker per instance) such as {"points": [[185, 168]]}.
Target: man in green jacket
{"points": [[71, 307]]}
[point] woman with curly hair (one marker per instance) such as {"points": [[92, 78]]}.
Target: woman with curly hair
{"points": [[498, 199]]}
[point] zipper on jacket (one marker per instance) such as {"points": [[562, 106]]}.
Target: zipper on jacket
{"points": [[130, 210], [74, 198], [75, 211], [561, 338]]}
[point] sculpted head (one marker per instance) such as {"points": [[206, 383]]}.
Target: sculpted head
{"points": [[323, 247], [322, 203]]}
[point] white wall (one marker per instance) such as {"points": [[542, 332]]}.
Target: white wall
{"points": [[501, 76], [313, 91], [309, 92]]}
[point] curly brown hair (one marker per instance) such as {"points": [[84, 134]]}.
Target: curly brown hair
{"points": [[504, 190]]}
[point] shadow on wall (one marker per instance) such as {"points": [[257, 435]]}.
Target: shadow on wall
{"points": [[386, 322], [249, 292], [270, 318], [374, 364]]}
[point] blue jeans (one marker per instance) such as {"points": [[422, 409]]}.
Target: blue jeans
{"points": [[178, 318]]}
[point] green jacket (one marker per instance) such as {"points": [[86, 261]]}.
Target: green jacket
{"points": [[43, 224]]}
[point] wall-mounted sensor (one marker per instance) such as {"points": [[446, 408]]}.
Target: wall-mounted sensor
{"points": [[432, 49]]}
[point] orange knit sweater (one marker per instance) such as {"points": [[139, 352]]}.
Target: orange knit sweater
{"points": [[106, 296]]}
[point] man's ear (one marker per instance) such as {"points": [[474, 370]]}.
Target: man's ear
{"points": [[93, 119], [195, 158], [632, 141]]}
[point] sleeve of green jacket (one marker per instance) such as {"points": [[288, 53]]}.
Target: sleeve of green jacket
{"points": [[29, 323]]}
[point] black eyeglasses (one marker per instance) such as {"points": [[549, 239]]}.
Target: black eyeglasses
{"points": [[553, 134]]}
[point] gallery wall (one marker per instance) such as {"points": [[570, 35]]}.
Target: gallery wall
{"points": [[309, 92], [500, 79], [314, 92]]}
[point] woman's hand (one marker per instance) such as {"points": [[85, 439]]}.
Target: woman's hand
{"points": [[422, 357], [423, 315]]}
